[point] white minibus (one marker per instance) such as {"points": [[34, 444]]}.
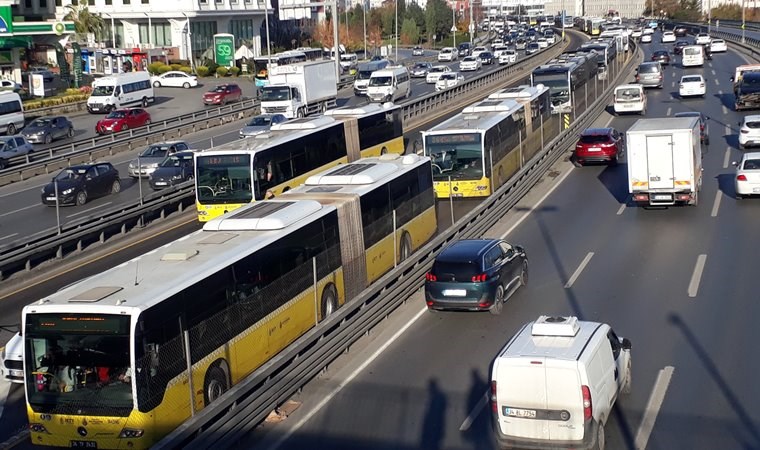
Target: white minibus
{"points": [[693, 55], [120, 90], [11, 112], [389, 84]]}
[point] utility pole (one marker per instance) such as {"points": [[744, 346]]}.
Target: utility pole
{"points": [[396, 30], [364, 15], [709, 17], [472, 24], [335, 38], [454, 24], [744, 24]]}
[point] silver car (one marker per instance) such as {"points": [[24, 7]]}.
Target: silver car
{"points": [[420, 70], [261, 124], [11, 146], [649, 74], [152, 156]]}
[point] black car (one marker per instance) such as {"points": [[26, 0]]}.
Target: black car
{"points": [[680, 31], [679, 45], [486, 57], [76, 184], [175, 169], [476, 275], [465, 49], [704, 131], [661, 56]]}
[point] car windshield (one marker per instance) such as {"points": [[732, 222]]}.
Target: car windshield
{"points": [[420, 66], [691, 51], [260, 121], [661, 53], [448, 76], [102, 91], [116, 115], [176, 161], [364, 74], [691, 79], [156, 151], [40, 123], [751, 164], [219, 89], [595, 139], [70, 174], [455, 156], [381, 81], [437, 69]]}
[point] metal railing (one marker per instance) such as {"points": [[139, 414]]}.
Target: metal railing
{"points": [[27, 253], [248, 403]]}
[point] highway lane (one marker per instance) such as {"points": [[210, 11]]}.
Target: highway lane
{"points": [[640, 278], [23, 215]]}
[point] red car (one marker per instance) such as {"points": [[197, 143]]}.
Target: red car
{"points": [[122, 120], [223, 94], [598, 145]]}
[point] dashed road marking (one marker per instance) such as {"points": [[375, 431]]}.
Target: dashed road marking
{"points": [[654, 404], [716, 204], [578, 271], [726, 157], [88, 210], [696, 276]]}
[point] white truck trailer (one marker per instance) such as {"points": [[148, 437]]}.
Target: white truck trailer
{"points": [[300, 89], [664, 161]]}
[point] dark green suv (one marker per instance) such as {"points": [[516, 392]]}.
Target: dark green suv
{"points": [[476, 275]]}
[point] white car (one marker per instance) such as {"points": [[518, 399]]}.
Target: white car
{"points": [[702, 39], [174, 78], [12, 357], [718, 45], [647, 31], [470, 63], [747, 180], [646, 38], [497, 42], [636, 33], [10, 85], [448, 80], [447, 54], [508, 57], [749, 132], [478, 50], [692, 85], [542, 43], [668, 36], [498, 50], [435, 73]]}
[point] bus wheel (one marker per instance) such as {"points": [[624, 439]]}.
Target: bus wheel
{"points": [[329, 301], [215, 385], [383, 151], [11, 129], [299, 114], [145, 102], [406, 247]]}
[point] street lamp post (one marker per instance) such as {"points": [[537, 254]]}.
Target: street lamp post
{"points": [[396, 30], [364, 18], [336, 52], [709, 17], [454, 25], [744, 24]]}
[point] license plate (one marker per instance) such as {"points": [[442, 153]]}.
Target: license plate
{"points": [[595, 149], [517, 412], [755, 189], [662, 197], [50, 199], [84, 444], [454, 292], [160, 183]]}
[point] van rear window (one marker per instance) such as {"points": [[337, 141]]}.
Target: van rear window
{"points": [[455, 271], [648, 68]]}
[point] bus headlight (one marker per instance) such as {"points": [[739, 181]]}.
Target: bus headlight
{"points": [[37, 428], [128, 433]]}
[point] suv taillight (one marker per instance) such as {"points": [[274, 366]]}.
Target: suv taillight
{"points": [[479, 278], [494, 405], [587, 405], [430, 277]]}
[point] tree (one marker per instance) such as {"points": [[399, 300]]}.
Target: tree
{"points": [[84, 21], [414, 12], [410, 32], [437, 19]]}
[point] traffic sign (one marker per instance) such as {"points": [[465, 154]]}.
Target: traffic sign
{"points": [[453, 28]]}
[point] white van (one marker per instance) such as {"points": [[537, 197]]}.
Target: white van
{"points": [[630, 98], [569, 375], [389, 84], [121, 90], [693, 55], [11, 112]]}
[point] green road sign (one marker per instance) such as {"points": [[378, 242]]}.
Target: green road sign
{"points": [[224, 49]]}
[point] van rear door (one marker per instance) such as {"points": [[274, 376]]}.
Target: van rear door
{"points": [[660, 161], [564, 400], [521, 397]]}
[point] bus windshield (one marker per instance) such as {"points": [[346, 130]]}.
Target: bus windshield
{"points": [[224, 179], [275, 93], [79, 364], [102, 91], [457, 156], [559, 90], [381, 81]]}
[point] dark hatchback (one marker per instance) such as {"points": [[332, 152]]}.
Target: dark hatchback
{"points": [[476, 275], [76, 184], [679, 45], [680, 31], [486, 57], [175, 169], [661, 56]]}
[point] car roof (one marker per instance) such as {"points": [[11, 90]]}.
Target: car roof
{"points": [[751, 155], [752, 118], [596, 131], [465, 248]]}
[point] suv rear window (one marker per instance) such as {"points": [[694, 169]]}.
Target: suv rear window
{"points": [[455, 271], [648, 68]]}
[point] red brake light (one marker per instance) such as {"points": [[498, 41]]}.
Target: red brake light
{"points": [[479, 278], [587, 406], [494, 405], [741, 178], [430, 277]]}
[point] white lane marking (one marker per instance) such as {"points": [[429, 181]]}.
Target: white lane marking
{"points": [[728, 129], [654, 404], [712, 71], [672, 74], [720, 91], [725, 110], [673, 84], [669, 111], [710, 64], [23, 190], [18, 210], [696, 276], [578, 271], [621, 209], [726, 157], [9, 236], [716, 203], [474, 413], [348, 379], [88, 210], [717, 83]]}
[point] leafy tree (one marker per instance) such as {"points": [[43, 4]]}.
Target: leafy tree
{"points": [[410, 32], [416, 13], [84, 21], [437, 19], [727, 11]]}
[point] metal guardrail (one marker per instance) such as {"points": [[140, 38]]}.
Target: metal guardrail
{"points": [[748, 45], [248, 403], [53, 243]]}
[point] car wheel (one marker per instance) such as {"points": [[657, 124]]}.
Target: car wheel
{"points": [[109, 109], [498, 301], [48, 139], [70, 134], [186, 85], [739, 196], [156, 84], [524, 274], [329, 301], [11, 129], [116, 186], [3, 164], [81, 198], [600, 444], [742, 146], [124, 127]]}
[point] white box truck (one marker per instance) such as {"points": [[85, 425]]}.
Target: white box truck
{"points": [[664, 161], [300, 89]]}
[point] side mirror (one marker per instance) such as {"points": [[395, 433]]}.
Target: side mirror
{"points": [[731, 79], [626, 344], [734, 163]]}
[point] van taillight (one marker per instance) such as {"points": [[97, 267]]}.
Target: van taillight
{"points": [[430, 277], [494, 405], [479, 278], [587, 412]]}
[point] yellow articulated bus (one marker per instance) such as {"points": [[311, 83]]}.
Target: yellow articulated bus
{"points": [[120, 359], [479, 149], [254, 168]]}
